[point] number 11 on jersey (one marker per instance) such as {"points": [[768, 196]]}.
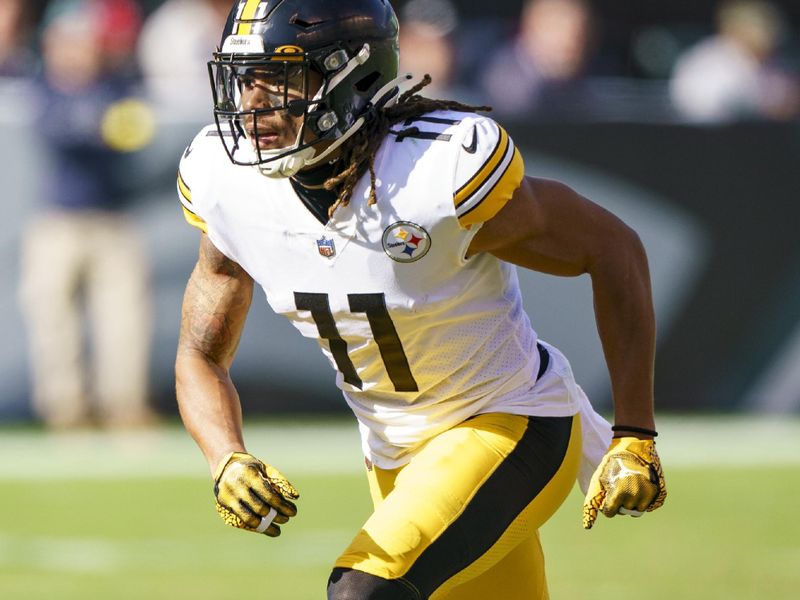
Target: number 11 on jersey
{"points": [[383, 330]]}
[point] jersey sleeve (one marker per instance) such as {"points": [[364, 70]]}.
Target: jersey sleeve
{"points": [[189, 173], [489, 170]]}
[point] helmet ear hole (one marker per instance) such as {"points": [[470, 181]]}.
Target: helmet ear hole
{"points": [[365, 84]]}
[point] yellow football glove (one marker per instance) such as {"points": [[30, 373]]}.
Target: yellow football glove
{"points": [[628, 481], [252, 495]]}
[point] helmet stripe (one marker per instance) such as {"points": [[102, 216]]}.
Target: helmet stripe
{"points": [[249, 12]]}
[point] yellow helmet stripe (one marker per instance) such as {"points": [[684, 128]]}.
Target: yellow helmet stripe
{"points": [[248, 13]]}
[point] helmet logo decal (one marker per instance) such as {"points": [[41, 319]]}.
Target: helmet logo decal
{"points": [[406, 242], [288, 53], [288, 50]]}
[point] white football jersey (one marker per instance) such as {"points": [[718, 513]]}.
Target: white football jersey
{"points": [[421, 338]]}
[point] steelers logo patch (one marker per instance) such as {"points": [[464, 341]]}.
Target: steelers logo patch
{"points": [[406, 242]]}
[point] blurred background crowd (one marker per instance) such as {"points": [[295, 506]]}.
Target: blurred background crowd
{"points": [[99, 97], [710, 60]]}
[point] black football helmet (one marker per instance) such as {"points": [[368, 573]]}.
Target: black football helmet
{"points": [[351, 45]]}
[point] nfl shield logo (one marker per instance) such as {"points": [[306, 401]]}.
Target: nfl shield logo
{"points": [[326, 247]]}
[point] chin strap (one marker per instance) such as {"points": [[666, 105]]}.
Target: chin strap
{"points": [[377, 99], [280, 168]]}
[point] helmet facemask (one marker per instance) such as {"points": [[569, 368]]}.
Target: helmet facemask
{"points": [[348, 50], [251, 91]]}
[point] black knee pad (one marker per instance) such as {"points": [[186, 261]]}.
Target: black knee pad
{"points": [[349, 584]]}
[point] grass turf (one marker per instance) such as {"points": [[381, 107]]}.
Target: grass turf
{"points": [[726, 532]]}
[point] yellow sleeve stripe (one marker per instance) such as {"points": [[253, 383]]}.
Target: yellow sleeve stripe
{"points": [[247, 14], [184, 189], [497, 197], [186, 198], [194, 220], [466, 191]]}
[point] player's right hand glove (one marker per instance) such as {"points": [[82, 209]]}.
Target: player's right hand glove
{"points": [[253, 495], [629, 480]]}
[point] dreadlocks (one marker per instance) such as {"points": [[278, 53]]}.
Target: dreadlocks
{"points": [[359, 152]]}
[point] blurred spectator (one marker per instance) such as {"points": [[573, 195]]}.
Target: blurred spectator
{"points": [[82, 253], [542, 68], [732, 74], [427, 46], [177, 41], [16, 56]]}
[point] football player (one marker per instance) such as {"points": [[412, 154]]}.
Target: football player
{"points": [[388, 227]]}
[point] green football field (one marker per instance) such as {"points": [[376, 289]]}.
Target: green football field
{"points": [[96, 515]]}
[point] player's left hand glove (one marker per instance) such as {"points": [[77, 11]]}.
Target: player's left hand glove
{"points": [[629, 480], [253, 495]]}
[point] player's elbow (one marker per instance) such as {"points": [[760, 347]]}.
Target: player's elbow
{"points": [[621, 256], [183, 371], [630, 245], [192, 365]]}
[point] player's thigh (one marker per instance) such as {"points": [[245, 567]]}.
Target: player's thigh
{"points": [[452, 503], [519, 575], [515, 562]]}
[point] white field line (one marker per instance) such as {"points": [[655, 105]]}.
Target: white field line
{"points": [[316, 447], [107, 555], [742, 441]]}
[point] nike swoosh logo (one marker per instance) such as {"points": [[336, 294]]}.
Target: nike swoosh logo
{"points": [[473, 147], [188, 151]]}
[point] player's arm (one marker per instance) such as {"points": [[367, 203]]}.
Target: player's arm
{"points": [[548, 227], [250, 494], [215, 307]]}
